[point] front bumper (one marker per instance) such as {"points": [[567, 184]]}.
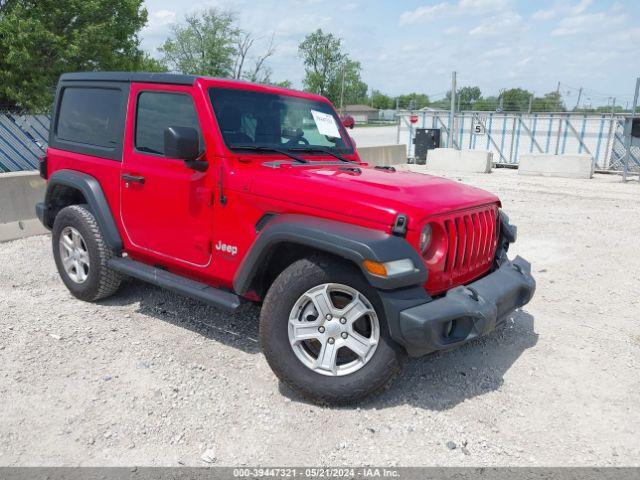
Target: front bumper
{"points": [[465, 312]]}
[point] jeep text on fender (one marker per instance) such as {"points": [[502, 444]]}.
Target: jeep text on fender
{"points": [[227, 191]]}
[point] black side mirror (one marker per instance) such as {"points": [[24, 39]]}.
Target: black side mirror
{"points": [[184, 143]]}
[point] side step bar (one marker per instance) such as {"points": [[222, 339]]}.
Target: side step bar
{"points": [[189, 288]]}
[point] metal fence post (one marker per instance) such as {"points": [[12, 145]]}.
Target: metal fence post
{"points": [[559, 135], [451, 137], [627, 138], [513, 139]]}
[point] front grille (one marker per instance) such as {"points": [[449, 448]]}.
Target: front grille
{"points": [[471, 239]]}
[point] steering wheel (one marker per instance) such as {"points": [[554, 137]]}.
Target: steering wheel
{"points": [[297, 141]]}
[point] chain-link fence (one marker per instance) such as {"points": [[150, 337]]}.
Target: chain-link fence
{"points": [[508, 135], [23, 139]]}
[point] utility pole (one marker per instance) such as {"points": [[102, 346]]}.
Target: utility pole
{"points": [[558, 89], [579, 97], [530, 104], [613, 106], [627, 131], [450, 139], [342, 92]]}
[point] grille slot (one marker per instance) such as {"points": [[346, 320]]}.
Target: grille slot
{"points": [[472, 240]]}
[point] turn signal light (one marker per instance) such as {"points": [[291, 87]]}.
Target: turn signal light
{"points": [[375, 268], [389, 269]]}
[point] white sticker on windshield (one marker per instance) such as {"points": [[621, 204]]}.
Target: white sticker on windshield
{"points": [[325, 123]]}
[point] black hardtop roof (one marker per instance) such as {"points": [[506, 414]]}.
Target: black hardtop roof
{"points": [[129, 77]]}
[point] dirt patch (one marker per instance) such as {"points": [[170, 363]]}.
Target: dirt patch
{"points": [[151, 378]]}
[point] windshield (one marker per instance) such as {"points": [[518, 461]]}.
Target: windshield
{"points": [[257, 119]]}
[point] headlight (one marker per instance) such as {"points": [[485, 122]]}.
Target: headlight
{"points": [[425, 238]]}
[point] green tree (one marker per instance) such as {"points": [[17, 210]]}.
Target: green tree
{"points": [[40, 39], [322, 59], [515, 100], [468, 97], [151, 65], [283, 84], [550, 102], [204, 45], [355, 90], [209, 42], [382, 101], [414, 101], [487, 104], [325, 65]]}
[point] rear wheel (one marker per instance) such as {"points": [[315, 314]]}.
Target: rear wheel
{"points": [[323, 332], [81, 254]]}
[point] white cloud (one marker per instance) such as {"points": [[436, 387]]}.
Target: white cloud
{"points": [[427, 13], [525, 61], [500, 43], [544, 14], [299, 24], [424, 13], [496, 53], [562, 9], [349, 7], [497, 25], [581, 7], [160, 19], [588, 22], [617, 7], [482, 4]]}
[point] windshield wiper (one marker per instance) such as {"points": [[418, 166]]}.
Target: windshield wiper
{"points": [[259, 148], [321, 150]]}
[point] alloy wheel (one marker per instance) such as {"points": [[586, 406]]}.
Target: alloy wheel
{"points": [[333, 329], [74, 254]]}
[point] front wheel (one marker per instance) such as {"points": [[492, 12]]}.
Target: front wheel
{"points": [[81, 254], [324, 334]]}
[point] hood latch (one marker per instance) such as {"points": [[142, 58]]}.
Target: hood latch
{"points": [[400, 225]]}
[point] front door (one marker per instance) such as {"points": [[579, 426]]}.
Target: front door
{"points": [[165, 206]]}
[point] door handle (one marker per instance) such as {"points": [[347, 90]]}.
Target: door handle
{"points": [[132, 178]]}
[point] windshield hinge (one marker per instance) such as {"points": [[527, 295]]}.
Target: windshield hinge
{"points": [[400, 225], [223, 198]]}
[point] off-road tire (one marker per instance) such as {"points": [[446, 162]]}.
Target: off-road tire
{"points": [[293, 282], [101, 281]]}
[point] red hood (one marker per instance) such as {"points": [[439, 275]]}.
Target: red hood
{"points": [[374, 195]]}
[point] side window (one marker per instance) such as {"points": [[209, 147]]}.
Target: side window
{"points": [[89, 116], [159, 110]]}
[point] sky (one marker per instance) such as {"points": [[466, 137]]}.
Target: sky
{"points": [[412, 45]]}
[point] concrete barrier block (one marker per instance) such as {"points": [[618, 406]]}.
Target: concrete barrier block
{"points": [[452, 160], [383, 155], [19, 193], [21, 229], [547, 165]]}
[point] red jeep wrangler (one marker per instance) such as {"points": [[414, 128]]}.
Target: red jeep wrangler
{"points": [[227, 192]]}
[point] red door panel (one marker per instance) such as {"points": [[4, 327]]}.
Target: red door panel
{"points": [[165, 206]]}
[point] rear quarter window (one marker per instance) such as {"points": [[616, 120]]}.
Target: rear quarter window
{"points": [[89, 116]]}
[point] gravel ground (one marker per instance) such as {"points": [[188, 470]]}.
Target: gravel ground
{"points": [[151, 378]]}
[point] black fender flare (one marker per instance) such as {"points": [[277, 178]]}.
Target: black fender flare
{"points": [[351, 242], [93, 194]]}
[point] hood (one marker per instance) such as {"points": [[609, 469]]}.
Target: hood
{"points": [[372, 194]]}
